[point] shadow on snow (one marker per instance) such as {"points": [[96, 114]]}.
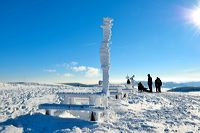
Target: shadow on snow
{"points": [[44, 123]]}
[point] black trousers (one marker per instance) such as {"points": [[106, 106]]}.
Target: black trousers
{"points": [[158, 89], [150, 87]]}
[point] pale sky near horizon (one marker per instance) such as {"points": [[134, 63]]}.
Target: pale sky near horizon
{"points": [[59, 41]]}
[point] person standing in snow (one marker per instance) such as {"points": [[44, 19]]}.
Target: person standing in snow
{"points": [[132, 81], [128, 81], [150, 82], [158, 84]]}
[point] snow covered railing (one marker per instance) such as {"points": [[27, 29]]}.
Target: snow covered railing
{"points": [[95, 103], [54, 106], [121, 93], [96, 99]]}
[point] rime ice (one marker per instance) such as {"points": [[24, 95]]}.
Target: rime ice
{"points": [[105, 53]]}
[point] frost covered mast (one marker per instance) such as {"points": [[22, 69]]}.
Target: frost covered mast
{"points": [[96, 103], [105, 53]]}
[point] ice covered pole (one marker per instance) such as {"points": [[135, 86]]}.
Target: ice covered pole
{"points": [[105, 53]]}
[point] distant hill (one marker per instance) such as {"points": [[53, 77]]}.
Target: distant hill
{"points": [[182, 84], [185, 89], [80, 85], [23, 83], [170, 85], [175, 84], [92, 85]]}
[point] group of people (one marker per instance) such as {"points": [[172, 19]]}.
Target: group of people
{"points": [[158, 84]]}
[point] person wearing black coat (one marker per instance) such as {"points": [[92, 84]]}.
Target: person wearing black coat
{"points": [[150, 82], [158, 84], [128, 81], [141, 88]]}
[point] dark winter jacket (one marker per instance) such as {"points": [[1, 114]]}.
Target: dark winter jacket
{"points": [[158, 82], [140, 86], [149, 80]]}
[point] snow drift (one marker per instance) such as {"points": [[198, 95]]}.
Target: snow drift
{"points": [[140, 112]]}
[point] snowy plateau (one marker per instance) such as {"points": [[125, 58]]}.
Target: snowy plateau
{"points": [[164, 112]]}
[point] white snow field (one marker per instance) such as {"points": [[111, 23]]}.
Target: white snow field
{"points": [[141, 112]]}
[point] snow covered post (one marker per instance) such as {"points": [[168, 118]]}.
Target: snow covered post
{"points": [[105, 53]]}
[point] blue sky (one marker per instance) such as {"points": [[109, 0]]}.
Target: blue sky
{"points": [[58, 41]]}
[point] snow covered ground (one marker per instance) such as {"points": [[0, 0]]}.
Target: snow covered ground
{"points": [[141, 112]]}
